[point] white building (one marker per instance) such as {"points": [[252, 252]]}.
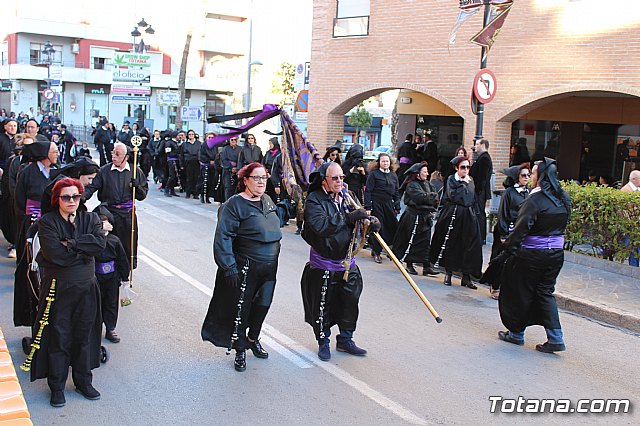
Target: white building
{"points": [[82, 61]]}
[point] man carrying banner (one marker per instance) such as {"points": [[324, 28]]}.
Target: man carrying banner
{"points": [[330, 294]]}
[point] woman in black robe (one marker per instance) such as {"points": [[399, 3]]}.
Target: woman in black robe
{"points": [[267, 161], [246, 249], [382, 200], [535, 255], [515, 193], [67, 330], [412, 241], [456, 241], [31, 182]]}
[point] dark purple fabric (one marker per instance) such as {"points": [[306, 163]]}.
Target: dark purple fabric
{"points": [[103, 268], [33, 207], [405, 160], [268, 110], [543, 242], [319, 262], [128, 205]]}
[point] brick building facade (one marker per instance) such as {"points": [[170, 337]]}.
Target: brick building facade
{"points": [[559, 68]]}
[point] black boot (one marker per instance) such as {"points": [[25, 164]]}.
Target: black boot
{"points": [[447, 279], [411, 269], [466, 282], [240, 363]]}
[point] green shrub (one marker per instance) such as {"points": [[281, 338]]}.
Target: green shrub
{"points": [[601, 218]]}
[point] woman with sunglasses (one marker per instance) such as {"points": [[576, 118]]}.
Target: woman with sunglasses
{"points": [[70, 301], [246, 248], [516, 191], [456, 243]]}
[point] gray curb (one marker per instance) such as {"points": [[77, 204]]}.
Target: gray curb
{"points": [[599, 312]]}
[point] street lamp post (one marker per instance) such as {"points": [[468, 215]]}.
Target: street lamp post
{"points": [[141, 47], [251, 64]]}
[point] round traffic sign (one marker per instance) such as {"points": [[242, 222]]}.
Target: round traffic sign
{"points": [[48, 94], [302, 102], [485, 85]]}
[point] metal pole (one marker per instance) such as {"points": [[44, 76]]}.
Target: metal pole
{"points": [[248, 99], [483, 64]]}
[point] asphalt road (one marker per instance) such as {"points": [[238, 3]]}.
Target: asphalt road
{"points": [[416, 372]]}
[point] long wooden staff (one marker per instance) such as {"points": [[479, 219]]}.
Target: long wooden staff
{"points": [[415, 287], [136, 141], [408, 277]]}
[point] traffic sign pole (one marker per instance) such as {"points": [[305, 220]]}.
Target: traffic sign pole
{"points": [[483, 65]]}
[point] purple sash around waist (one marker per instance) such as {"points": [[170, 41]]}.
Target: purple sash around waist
{"points": [[543, 242], [405, 160], [127, 205], [103, 268], [32, 207], [319, 262]]}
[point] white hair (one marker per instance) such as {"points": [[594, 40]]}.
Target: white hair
{"points": [[120, 144], [634, 174]]}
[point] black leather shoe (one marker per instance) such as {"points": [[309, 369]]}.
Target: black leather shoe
{"points": [[377, 258], [240, 363], [507, 337], [447, 279], [298, 231], [207, 200], [411, 269], [466, 282], [112, 336], [88, 392], [57, 399], [350, 347], [257, 349], [428, 270], [550, 348]]}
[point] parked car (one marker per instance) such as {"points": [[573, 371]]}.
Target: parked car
{"points": [[382, 149]]}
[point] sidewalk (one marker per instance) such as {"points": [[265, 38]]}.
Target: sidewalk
{"points": [[595, 293]]}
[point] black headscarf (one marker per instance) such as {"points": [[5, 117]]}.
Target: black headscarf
{"points": [[356, 151], [82, 166], [36, 151], [513, 174], [550, 184], [318, 176]]}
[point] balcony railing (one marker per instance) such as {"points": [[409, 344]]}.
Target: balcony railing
{"points": [[351, 27]]}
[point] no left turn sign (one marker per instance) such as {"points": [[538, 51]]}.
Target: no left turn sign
{"points": [[485, 85]]}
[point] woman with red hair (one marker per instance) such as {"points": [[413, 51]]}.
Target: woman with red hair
{"points": [[246, 248], [68, 327]]}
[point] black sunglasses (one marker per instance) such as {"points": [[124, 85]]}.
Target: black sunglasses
{"points": [[68, 198], [464, 167]]}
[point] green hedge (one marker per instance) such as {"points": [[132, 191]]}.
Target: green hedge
{"points": [[601, 218]]}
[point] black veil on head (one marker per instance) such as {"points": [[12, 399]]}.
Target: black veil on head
{"points": [[548, 181], [36, 151], [318, 176], [513, 175], [82, 166]]}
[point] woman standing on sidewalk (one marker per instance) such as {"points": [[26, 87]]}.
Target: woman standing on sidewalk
{"points": [[246, 249], [536, 255]]}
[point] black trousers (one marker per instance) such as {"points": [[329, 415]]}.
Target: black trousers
{"points": [[72, 319], [172, 179], [103, 159], [192, 172], [109, 298], [207, 181], [482, 219], [145, 161], [122, 230]]}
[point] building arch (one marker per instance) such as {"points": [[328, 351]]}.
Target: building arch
{"points": [[529, 103]]}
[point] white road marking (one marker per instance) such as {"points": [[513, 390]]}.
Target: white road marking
{"points": [[155, 266], [303, 357], [161, 214]]}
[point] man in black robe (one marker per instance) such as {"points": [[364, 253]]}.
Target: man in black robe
{"points": [[102, 139], [407, 156], [229, 158], [114, 184], [33, 178], [329, 297], [481, 172], [207, 158], [535, 255]]}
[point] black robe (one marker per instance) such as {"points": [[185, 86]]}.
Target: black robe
{"points": [[462, 251], [382, 197], [247, 242], [72, 336], [328, 299], [407, 156], [412, 241], [249, 153], [109, 278], [30, 186], [529, 276], [114, 189]]}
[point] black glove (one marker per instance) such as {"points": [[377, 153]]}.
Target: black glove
{"points": [[134, 184], [374, 224], [356, 215], [233, 280]]}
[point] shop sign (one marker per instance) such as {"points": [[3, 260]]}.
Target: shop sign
{"points": [[97, 89], [169, 98], [129, 59]]}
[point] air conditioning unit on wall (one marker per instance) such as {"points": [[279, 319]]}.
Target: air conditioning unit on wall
{"points": [[75, 48]]}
